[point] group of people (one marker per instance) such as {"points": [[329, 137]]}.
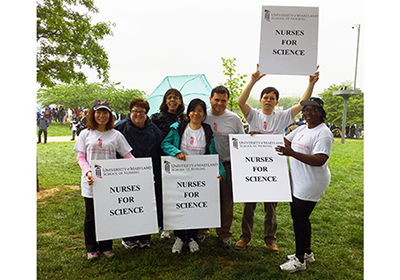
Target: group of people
{"points": [[205, 131], [56, 115]]}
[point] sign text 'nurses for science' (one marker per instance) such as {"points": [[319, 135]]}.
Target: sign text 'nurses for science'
{"points": [[124, 198], [191, 192], [259, 174], [289, 40]]}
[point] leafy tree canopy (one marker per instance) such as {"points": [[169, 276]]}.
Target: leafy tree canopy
{"points": [[288, 102], [333, 106], [234, 83], [67, 40], [82, 95]]}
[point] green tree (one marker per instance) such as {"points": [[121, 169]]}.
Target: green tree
{"points": [[287, 102], [333, 106], [67, 40], [82, 95], [233, 84]]}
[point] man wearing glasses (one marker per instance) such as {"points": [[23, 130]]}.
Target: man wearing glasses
{"points": [[266, 121]]}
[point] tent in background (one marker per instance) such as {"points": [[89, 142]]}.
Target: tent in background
{"points": [[190, 86]]}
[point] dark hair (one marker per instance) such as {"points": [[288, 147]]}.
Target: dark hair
{"points": [[268, 90], [193, 104], [164, 107], [141, 103], [220, 90], [91, 123], [323, 114]]}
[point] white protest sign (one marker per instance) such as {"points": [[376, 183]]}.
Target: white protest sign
{"points": [[259, 174], [124, 198], [289, 40], [191, 192]]}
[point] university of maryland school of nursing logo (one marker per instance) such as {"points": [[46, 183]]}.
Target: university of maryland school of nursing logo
{"points": [[167, 166], [97, 170], [235, 143], [267, 15]]}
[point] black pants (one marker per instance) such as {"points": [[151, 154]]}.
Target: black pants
{"points": [[40, 134], [186, 234], [90, 231], [301, 211]]}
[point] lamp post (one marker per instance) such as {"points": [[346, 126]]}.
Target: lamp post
{"points": [[358, 26], [345, 93]]}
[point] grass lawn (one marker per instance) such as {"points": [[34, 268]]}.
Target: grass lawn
{"points": [[337, 238], [56, 129]]}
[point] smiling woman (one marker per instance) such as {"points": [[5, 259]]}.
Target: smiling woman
{"points": [[171, 110], [145, 139], [99, 141]]}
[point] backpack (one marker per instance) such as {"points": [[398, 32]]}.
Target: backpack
{"points": [[81, 125]]}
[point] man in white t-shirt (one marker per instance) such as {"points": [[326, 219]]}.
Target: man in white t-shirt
{"points": [[266, 121], [224, 122]]}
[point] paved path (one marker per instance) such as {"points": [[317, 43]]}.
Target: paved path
{"points": [[59, 139]]}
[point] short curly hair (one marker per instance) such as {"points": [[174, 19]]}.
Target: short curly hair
{"points": [[140, 103]]}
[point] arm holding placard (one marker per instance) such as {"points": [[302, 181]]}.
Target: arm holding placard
{"points": [[307, 94], [85, 166], [170, 143], [242, 101]]}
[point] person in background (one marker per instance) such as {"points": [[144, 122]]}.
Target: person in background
{"points": [[145, 139], [60, 115], [115, 117], [47, 114], [300, 122], [266, 121], [290, 128], [43, 124], [171, 111], [190, 137], [308, 148], [74, 124], [99, 141], [224, 122]]}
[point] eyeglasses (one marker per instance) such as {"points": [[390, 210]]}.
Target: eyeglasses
{"points": [[311, 111], [173, 97], [138, 112]]}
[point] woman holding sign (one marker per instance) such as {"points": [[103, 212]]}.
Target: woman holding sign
{"points": [[192, 137], [309, 148], [99, 141]]}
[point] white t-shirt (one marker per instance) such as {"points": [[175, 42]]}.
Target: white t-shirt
{"points": [[269, 124], [310, 182], [222, 126], [99, 145], [193, 142]]}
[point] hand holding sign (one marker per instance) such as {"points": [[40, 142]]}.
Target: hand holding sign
{"points": [[256, 75]]}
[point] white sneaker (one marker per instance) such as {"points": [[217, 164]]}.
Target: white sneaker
{"points": [[293, 265], [165, 234], [177, 247], [193, 246], [309, 258]]}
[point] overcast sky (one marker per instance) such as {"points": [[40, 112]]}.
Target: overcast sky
{"points": [[154, 39]]}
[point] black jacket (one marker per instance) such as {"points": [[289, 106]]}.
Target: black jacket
{"points": [[145, 142], [164, 120], [42, 123]]}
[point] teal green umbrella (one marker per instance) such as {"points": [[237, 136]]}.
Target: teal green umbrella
{"points": [[190, 86]]}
